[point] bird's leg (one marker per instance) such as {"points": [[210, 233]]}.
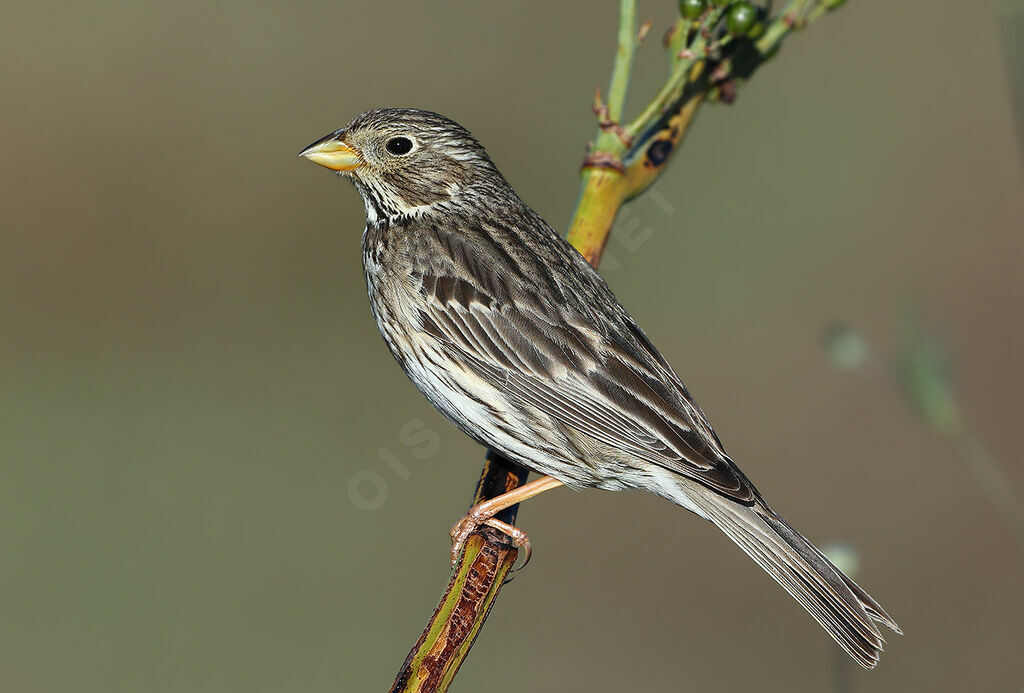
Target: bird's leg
{"points": [[483, 514]]}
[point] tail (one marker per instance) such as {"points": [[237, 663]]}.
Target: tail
{"points": [[835, 601]]}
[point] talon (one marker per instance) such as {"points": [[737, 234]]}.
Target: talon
{"points": [[467, 525], [483, 513], [459, 534], [519, 539]]}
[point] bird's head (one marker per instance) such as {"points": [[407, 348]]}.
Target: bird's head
{"points": [[405, 161]]}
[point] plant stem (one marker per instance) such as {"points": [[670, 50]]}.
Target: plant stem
{"points": [[668, 94], [993, 482], [475, 582], [623, 67], [601, 196]]}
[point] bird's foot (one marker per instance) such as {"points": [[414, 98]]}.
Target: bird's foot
{"points": [[483, 514], [469, 524]]}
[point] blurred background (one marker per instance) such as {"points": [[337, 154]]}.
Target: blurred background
{"points": [[215, 478]]}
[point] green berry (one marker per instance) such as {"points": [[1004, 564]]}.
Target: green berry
{"points": [[691, 9], [740, 18], [832, 4]]}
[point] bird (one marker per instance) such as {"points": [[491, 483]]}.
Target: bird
{"points": [[516, 339]]}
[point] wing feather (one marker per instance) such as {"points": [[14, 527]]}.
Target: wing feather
{"points": [[619, 391]]}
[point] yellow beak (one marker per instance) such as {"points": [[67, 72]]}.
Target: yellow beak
{"points": [[330, 152]]}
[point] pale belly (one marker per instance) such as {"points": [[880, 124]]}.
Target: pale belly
{"points": [[478, 408]]}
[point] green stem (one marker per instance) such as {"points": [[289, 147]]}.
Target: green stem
{"points": [[773, 35], [992, 481], [677, 38], [623, 67], [666, 96]]}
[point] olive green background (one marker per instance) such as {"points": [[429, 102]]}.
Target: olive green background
{"points": [[196, 408]]}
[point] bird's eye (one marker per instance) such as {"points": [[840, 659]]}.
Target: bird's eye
{"points": [[399, 145]]}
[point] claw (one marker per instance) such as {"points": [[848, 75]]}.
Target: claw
{"points": [[467, 525], [483, 514], [459, 534], [519, 539]]}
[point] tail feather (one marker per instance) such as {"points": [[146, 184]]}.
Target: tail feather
{"points": [[835, 601], [813, 555]]}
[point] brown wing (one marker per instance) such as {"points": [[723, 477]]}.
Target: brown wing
{"points": [[611, 385]]}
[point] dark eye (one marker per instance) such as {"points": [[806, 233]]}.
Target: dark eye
{"points": [[399, 145]]}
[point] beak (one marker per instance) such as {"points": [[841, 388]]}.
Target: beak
{"points": [[330, 152]]}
